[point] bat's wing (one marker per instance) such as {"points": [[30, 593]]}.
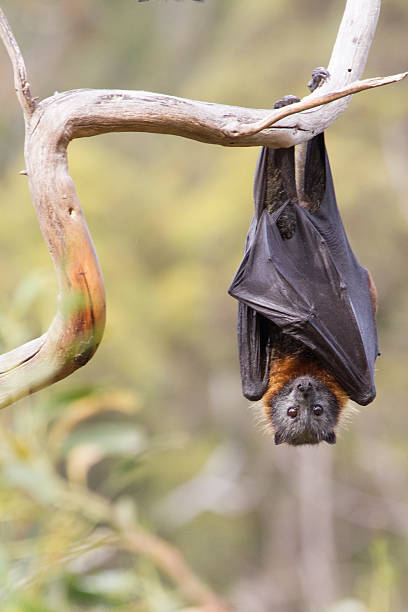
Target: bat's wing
{"points": [[257, 336], [254, 346], [310, 285]]}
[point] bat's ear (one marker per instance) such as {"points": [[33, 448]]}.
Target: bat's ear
{"points": [[278, 438], [330, 438]]}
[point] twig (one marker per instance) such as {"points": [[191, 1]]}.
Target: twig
{"points": [[311, 102], [134, 539], [169, 559], [21, 84]]}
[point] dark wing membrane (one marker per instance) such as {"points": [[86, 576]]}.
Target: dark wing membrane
{"points": [[259, 342], [328, 224], [256, 335], [254, 348], [311, 285]]}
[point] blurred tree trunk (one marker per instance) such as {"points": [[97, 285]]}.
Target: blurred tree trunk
{"points": [[316, 528]]}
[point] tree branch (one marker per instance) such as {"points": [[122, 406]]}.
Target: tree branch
{"points": [[348, 58], [309, 102], [136, 540], [169, 559], [21, 84], [77, 328]]}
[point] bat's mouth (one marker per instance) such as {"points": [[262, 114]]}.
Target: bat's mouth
{"points": [[306, 438]]}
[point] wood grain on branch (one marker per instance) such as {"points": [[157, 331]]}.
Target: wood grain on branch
{"points": [[51, 124]]}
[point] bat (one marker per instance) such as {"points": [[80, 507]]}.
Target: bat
{"points": [[307, 333]]}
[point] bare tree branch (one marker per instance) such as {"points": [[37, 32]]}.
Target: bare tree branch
{"points": [[348, 58], [20, 74], [309, 102], [169, 559], [135, 539], [77, 328]]}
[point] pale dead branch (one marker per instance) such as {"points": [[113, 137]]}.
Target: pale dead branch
{"points": [[309, 102], [21, 84]]}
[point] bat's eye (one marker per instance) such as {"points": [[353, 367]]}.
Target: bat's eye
{"points": [[317, 410], [292, 412]]}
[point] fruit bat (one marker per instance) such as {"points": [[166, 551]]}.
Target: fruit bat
{"points": [[307, 333]]}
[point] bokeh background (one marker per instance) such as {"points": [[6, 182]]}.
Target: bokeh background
{"points": [[154, 432]]}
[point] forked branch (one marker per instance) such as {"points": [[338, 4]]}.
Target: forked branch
{"points": [[51, 124]]}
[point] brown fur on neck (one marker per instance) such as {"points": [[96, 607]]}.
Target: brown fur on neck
{"points": [[285, 368]]}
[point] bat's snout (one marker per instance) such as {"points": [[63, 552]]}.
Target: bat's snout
{"points": [[304, 385]]}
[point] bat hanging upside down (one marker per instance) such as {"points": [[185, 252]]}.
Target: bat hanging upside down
{"points": [[307, 333]]}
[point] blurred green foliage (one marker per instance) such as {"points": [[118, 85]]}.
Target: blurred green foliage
{"points": [[154, 427]]}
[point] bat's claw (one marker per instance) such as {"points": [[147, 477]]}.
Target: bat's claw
{"points": [[289, 99], [319, 76], [287, 224]]}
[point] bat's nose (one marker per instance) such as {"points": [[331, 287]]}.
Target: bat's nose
{"points": [[304, 386]]}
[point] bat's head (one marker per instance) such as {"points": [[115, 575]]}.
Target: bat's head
{"points": [[303, 403], [304, 412]]}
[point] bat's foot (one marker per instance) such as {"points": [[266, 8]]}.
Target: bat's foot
{"points": [[319, 76], [289, 99], [286, 224]]}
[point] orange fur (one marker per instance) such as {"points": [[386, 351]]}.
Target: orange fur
{"points": [[288, 367], [373, 293]]}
